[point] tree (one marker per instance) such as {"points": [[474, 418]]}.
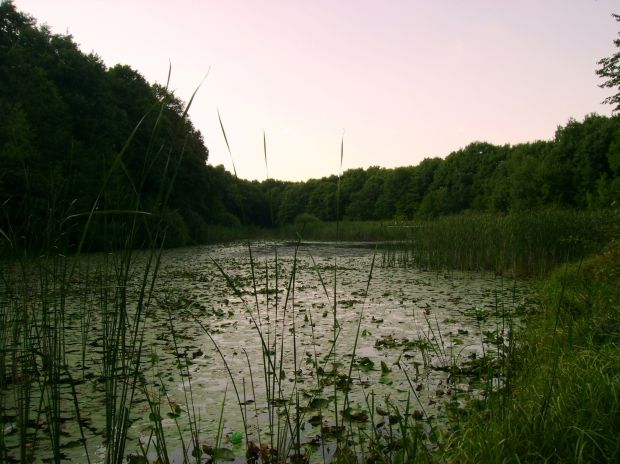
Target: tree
{"points": [[65, 121], [322, 200], [610, 71], [363, 205]]}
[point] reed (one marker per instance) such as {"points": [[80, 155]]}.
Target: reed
{"points": [[563, 403], [516, 244], [46, 286]]}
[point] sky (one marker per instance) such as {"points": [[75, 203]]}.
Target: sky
{"points": [[396, 81]]}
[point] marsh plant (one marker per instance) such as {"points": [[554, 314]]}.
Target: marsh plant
{"points": [[271, 352], [564, 403], [53, 294], [527, 243], [257, 322]]}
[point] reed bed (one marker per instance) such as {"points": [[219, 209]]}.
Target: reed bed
{"points": [[50, 290], [135, 388], [45, 302], [518, 244]]}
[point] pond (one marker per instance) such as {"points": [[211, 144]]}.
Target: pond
{"points": [[242, 347]]}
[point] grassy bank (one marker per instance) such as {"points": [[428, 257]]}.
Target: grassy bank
{"points": [[565, 402]]}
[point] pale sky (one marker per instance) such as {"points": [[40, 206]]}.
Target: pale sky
{"points": [[402, 79]]}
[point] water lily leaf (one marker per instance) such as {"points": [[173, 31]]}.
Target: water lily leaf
{"points": [[366, 363], [224, 454], [318, 403], [332, 431], [384, 368], [355, 415], [236, 438], [136, 459]]}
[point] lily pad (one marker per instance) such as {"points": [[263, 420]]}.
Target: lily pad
{"points": [[224, 454], [355, 415], [236, 438], [384, 368], [318, 403]]}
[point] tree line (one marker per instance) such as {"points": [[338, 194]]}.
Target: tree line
{"points": [[83, 143], [579, 168], [80, 142]]}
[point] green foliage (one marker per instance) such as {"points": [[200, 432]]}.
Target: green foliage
{"points": [[578, 169], [305, 219], [229, 220], [564, 404], [610, 71], [76, 136], [177, 233], [365, 202], [322, 200], [67, 118]]}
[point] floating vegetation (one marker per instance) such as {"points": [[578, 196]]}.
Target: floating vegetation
{"points": [[273, 339]]}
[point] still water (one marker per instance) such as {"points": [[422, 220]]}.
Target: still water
{"points": [[283, 345]]}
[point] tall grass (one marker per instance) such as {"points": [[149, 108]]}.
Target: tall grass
{"points": [[519, 244], [566, 396], [46, 296], [525, 243]]}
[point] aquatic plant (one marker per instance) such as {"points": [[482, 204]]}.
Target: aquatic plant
{"points": [[563, 400], [41, 378], [529, 243]]}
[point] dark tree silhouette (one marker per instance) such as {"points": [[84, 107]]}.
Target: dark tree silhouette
{"points": [[610, 71]]}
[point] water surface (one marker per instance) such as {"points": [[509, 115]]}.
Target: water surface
{"points": [[232, 331]]}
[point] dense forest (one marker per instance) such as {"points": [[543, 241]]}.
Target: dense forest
{"points": [[83, 142]]}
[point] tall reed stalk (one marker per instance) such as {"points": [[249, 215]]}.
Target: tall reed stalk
{"points": [[43, 294], [528, 243]]}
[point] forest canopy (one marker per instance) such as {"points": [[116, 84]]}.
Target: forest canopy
{"points": [[76, 136]]}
